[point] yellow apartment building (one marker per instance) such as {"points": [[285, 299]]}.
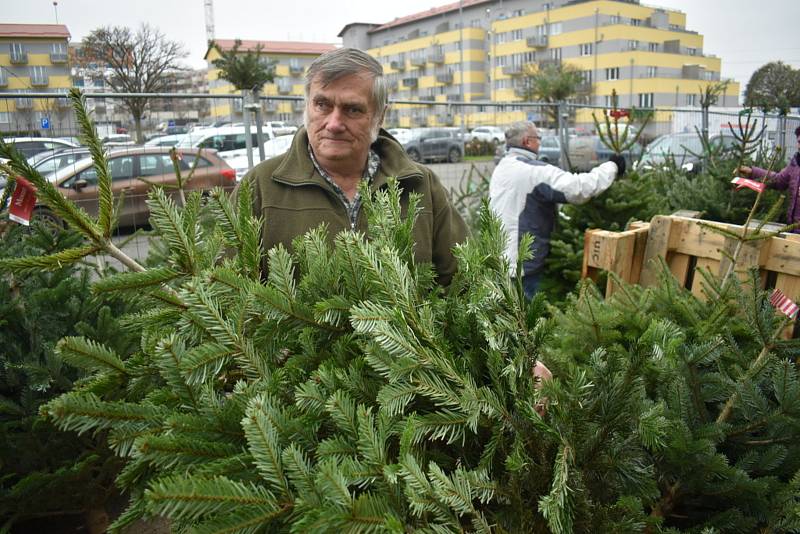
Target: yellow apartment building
{"points": [[33, 58], [292, 58], [644, 53]]}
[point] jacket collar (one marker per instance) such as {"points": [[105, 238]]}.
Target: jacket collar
{"points": [[518, 151], [298, 169]]}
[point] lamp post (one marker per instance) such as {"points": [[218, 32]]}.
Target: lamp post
{"points": [[55, 9]]}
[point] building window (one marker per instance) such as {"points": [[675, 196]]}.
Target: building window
{"points": [[502, 61], [633, 44], [516, 35], [555, 54], [645, 100], [609, 103], [475, 23], [615, 19], [501, 38], [691, 100], [652, 72], [518, 13], [59, 48], [586, 77], [691, 51], [5, 117], [555, 28], [636, 22], [652, 47], [585, 49], [708, 75], [612, 73]]}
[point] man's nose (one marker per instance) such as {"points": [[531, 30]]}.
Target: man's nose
{"points": [[335, 120]]}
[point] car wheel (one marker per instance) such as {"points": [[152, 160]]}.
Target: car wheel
{"points": [[414, 155], [48, 218], [544, 159], [496, 141], [454, 155]]}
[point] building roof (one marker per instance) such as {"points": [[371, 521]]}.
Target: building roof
{"points": [[350, 25], [34, 30], [275, 47], [432, 12]]}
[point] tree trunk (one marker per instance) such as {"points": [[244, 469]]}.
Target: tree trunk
{"points": [[137, 120]]}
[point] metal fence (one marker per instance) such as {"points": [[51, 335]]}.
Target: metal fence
{"points": [[50, 115]]}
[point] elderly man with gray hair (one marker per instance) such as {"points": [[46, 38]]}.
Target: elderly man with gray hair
{"points": [[340, 147], [525, 192]]}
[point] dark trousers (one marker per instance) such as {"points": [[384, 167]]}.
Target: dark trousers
{"points": [[530, 283]]}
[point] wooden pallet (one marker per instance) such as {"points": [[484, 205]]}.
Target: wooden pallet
{"points": [[687, 244]]}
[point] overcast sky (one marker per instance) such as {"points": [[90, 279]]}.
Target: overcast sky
{"points": [[744, 33]]}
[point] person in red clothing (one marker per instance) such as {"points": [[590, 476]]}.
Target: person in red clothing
{"points": [[787, 179]]}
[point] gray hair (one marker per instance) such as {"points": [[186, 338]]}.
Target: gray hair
{"points": [[342, 62], [517, 131]]}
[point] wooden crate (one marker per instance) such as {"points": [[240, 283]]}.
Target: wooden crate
{"points": [[687, 244]]}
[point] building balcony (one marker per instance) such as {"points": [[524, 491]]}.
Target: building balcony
{"points": [[512, 70], [550, 62], [410, 82], [436, 58], [296, 69], [19, 58], [24, 103], [454, 97], [446, 77], [521, 92], [284, 88], [418, 61], [397, 65], [537, 41], [58, 58], [40, 81]]}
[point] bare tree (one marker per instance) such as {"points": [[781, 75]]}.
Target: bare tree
{"points": [[134, 62]]}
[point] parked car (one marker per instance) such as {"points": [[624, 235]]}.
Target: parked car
{"points": [[682, 149], [280, 128], [403, 135], [491, 134], [588, 151], [30, 146], [49, 162], [435, 144], [118, 139], [134, 171], [224, 139], [274, 147], [165, 140], [549, 150]]}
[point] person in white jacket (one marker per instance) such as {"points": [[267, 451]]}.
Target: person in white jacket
{"points": [[525, 192]]}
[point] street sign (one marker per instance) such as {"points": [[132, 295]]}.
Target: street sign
{"points": [[45, 123], [171, 123]]}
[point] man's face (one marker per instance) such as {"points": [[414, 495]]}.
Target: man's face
{"points": [[532, 140], [340, 119]]}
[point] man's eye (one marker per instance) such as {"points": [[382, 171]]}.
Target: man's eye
{"points": [[321, 105]]}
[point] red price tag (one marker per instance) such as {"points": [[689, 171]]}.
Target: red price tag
{"points": [[750, 184], [22, 201]]}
